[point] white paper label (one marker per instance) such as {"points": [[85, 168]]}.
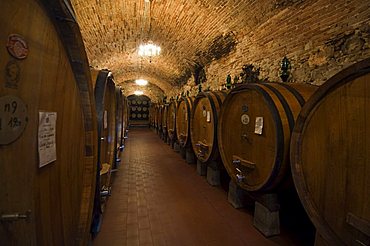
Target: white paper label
{"points": [[208, 116], [259, 125], [46, 138], [204, 113]]}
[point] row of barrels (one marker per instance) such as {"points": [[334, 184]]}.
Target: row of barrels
{"points": [[112, 117], [269, 133], [61, 127]]}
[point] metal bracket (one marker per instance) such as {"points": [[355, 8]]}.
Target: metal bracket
{"points": [[16, 217], [106, 192], [250, 166]]}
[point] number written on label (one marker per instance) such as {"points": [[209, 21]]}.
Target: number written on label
{"points": [[11, 107], [13, 118]]}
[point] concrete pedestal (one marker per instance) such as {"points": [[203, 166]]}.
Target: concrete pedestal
{"points": [[190, 156], [213, 175], [201, 168], [183, 153], [176, 147], [237, 197], [266, 215]]}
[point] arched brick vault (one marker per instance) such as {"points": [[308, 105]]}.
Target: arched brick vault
{"points": [[320, 37]]}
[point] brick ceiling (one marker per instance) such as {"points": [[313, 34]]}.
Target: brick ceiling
{"points": [[190, 32]]}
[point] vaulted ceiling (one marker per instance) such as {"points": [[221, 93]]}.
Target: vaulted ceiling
{"points": [[191, 33]]}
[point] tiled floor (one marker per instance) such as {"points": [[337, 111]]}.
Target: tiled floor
{"points": [[158, 199]]}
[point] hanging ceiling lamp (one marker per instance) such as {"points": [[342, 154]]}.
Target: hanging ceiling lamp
{"points": [[141, 82], [149, 49], [138, 93]]}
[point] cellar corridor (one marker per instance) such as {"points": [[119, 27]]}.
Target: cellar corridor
{"points": [[158, 199]]}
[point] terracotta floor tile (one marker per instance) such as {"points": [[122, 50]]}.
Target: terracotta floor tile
{"points": [[159, 199], [132, 241]]}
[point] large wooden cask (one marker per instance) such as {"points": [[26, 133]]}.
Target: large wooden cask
{"points": [[204, 123], [119, 118], [105, 104], [159, 117], [47, 127], [171, 120], [125, 117], [330, 157], [164, 118], [183, 114], [152, 115], [156, 116], [254, 132]]}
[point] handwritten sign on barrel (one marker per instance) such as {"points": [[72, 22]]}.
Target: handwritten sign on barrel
{"points": [[13, 118]]}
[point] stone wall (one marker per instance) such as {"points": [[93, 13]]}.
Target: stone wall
{"points": [[320, 38]]}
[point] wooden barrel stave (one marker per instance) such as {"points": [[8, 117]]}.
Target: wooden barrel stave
{"points": [[119, 119], [105, 105], [171, 120], [160, 117], [330, 157], [184, 110], [125, 116], [59, 195], [164, 118], [263, 158], [203, 125]]}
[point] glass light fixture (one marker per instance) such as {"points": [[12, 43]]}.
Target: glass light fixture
{"points": [[141, 82], [149, 49], [138, 93]]}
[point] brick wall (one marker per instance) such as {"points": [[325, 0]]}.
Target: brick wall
{"points": [[319, 37]]}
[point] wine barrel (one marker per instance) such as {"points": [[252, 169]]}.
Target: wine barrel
{"points": [[171, 120], [204, 123], [183, 114], [330, 157], [164, 118], [119, 119], [105, 104], [47, 127], [125, 117], [254, 132], [160, 117], [157, 117], [152, 114]]}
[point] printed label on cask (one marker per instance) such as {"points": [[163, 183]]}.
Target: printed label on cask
{"points": [[46, 138], [13, 118], [208, 116], [258, 126]]}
